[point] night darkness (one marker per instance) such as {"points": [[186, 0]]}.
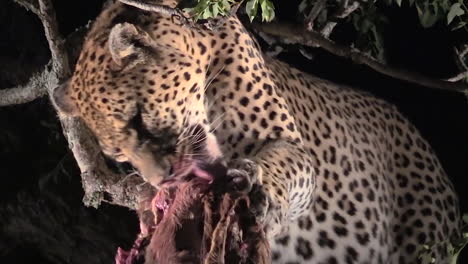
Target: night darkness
{"points": [[41, 214]]}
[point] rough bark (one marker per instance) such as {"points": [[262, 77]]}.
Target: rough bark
{"points": [[34, 89], [99, 182]]}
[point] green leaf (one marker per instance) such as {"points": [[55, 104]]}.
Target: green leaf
{"points": [[323, 16], [398, 2], [207, 14], [215, 9], [427, 17], [251, 8], [200, 9], [465, 218], [459, 25], [268, 10], [445, 5], [366, 25], [225, 7], [455, 10]]}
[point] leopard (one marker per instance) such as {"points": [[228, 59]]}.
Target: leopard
{"points": [[346, 177]]}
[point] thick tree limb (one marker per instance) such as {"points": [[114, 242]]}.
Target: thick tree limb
{"points": [[37, 85], [293, 35], [97, 179], [99, 182], [34, 89], [46, 13], [56, 42]]}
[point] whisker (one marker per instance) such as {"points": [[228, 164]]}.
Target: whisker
{"points": [[213, 129], [201, 134], [184, 138], [193, 155], [196, 141], [188, 130], [216, 119], [212, 101], [212, 78], [199, 140]]}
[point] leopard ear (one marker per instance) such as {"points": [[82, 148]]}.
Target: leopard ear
{"points": [[62, 99], [130, 46]]}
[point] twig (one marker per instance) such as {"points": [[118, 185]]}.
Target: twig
{"points": [[314, 12], [345, 11], [460, 57], [30, 5], [152, 7], [306, 53], [216, 22], [293, 34], [458, 77], [460, 61], [464, 51], [211, 24]]}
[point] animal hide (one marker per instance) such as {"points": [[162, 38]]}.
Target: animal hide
{"points": [[198, 222]]}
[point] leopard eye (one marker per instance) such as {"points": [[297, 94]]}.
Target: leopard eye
{"points": [[137, 124]]}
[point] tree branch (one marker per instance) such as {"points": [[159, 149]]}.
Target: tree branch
{"points": [[97, 179], [463, 52], [294, 35], [56, 42], [460, 57], [37, 85], [314, 12], [162, 9], [99, 182], [34, 89], [30, 5], [344, 11], [458, 77]]}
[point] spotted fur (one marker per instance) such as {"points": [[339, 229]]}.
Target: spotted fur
{"points": [[348, 179]]}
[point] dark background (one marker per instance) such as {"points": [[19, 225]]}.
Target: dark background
{"points": [[41, 214]]}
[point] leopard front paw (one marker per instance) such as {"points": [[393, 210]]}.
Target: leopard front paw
{"points": [[259, 202], [242, 175], [266, 214]]}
